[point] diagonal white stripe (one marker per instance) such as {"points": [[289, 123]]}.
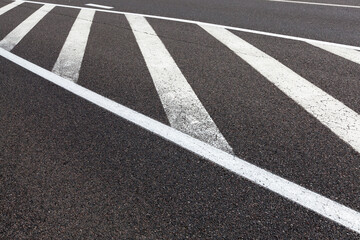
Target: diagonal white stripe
{"points": [[349, 54], [183, 108], [340, 119], [98, 6], [72, 53], [300, 195], [9, 6], [15, 36]]}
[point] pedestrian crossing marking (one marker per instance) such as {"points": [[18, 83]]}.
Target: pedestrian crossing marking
{"points": [[183, 108], [323, 206], [349, 54], [343, 121], [335, 115], [9, 6], [14, 37], [72, 53]]}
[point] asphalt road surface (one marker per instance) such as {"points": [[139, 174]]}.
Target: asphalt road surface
{"points": [[190, 119]]}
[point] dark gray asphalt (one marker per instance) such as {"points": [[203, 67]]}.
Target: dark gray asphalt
{"points": [[317, 22], [70, 170]]}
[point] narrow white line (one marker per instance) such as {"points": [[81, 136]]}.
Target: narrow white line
{"points": [[9, 6], [72, 53], [340, 119], [300, 195], [98, 6], [316, 3], [211, 24], [183, 109], [15, 36], [349, 54]]}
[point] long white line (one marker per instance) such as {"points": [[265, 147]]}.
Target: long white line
{"points": [[300, 195], [183, 109], [211, 24], [349, 54], [98, 6], [8, 7], [15, 36], [72, 53], [317, 3], [340, 119]]}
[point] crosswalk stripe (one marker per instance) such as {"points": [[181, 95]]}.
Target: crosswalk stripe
{"points": [[349, 54], [289, 190], [72, 53], [340, 119], [15, 36], [183, 109], [9, 6]]}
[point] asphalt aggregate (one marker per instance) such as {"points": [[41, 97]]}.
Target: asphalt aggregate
{"points": [[71, 170]]}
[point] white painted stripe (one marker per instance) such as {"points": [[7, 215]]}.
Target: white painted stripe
{"points": [[15, 36], [183, 109], [98, 6], [9, 6], [349, 54], [213, 25], [340, 119], [70, 58], [317, 3], [300, 195]]}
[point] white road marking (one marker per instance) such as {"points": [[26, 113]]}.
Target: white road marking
{"points": [[9, 6], [183, 109], [317, 3], [72, 53], [340, 119], [289, 190], [98, 6], [349, 54], [211, 24], [15, 36]]}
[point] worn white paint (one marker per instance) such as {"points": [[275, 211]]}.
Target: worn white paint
{"points": [[340, 119], [98, 6], [9, 6], [349, 54], [72, 53], [15, 36], [289, 190], [183, 109]]}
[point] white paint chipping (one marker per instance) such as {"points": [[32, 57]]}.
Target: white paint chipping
{"points": [[15, 36], [98, 6], [9, 6], [349, 54], [317, 3], [211, 24], [340, 119], [72, 53], [183, 109], [300, 195]]}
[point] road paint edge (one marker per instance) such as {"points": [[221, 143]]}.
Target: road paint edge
{"points": [[323, 206], [316, 3], [182, 106], [207, 24], [71, 56], [98, 6], [21, 30], [8, 7]]}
